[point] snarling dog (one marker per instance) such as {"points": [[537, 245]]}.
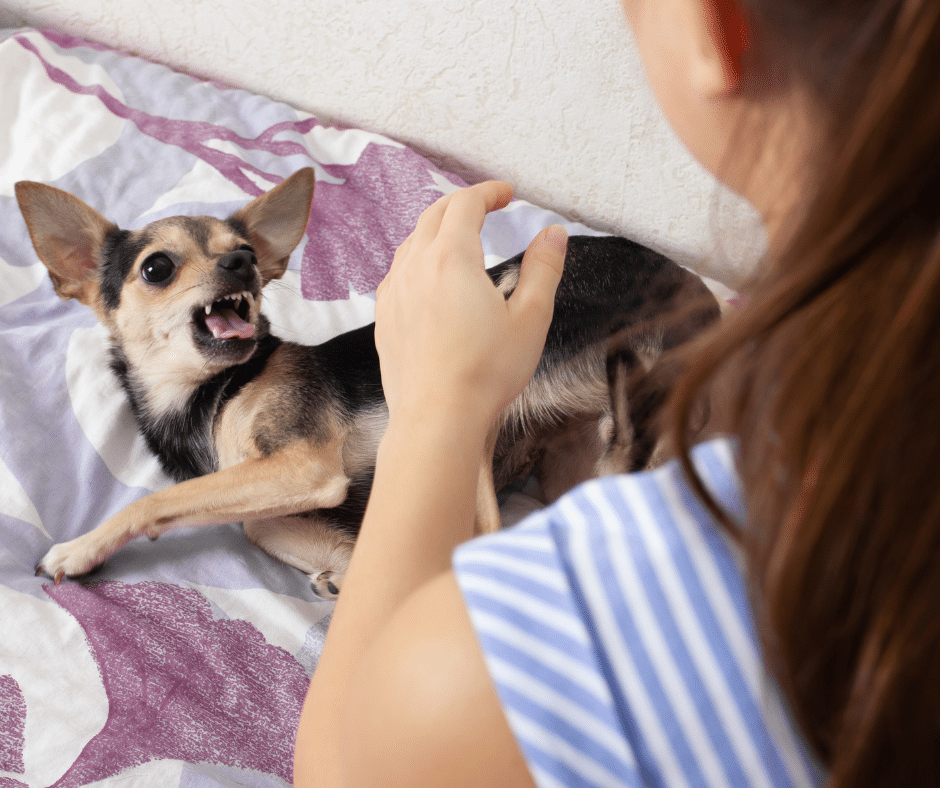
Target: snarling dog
{"points": [[281, 436]]}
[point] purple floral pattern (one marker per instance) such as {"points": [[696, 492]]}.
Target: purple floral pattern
{"points": [[180, 684], [185, 684], [12, 724]]}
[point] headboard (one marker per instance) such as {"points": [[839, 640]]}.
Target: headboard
{"points": [[547, 94]]}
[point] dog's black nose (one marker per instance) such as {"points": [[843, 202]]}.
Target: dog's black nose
{"points": [[237, 261]]}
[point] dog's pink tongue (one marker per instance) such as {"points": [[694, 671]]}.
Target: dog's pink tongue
{"points": [[226, 324]]}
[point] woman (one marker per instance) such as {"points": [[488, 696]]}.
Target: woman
{"points": [[825, 115]]}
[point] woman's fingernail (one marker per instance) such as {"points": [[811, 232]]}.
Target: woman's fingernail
{"points": [[557, 237]]}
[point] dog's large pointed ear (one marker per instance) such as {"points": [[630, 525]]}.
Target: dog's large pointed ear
{"points": [[277, 220], [68, 236]]}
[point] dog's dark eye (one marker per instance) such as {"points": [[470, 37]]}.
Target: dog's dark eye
{"points": [[157, 269]]}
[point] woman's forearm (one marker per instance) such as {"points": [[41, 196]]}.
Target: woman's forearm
{"points": [[422, 505], [454, 352]]}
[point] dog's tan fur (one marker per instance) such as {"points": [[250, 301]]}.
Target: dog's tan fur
{"points": [[152, 329], [174, 366], [263, 491], [277, 479]]}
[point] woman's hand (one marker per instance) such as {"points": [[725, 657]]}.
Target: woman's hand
{"points": [[446, 336], [454, 352]]}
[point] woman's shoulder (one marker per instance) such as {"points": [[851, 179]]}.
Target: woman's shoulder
{"points": [[653, 518], [623, 549], [618, 618]]}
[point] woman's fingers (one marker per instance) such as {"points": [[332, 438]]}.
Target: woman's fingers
{"points": [[542, 266], [429, 222], [400, 253], [467, 208], [443, 331], [460, 212]]}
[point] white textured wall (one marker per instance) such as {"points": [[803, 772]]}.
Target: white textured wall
{"points": [[547, 94]]}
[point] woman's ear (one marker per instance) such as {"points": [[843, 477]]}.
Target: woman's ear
{"points": [[722, 34]]}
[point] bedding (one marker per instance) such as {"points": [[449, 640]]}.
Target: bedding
{"points": [[182, 662]]}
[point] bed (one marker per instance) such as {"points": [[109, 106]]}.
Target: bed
{"points": [[182, 662]]}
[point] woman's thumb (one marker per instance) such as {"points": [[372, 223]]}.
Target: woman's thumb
{"points": [[542, 266]]}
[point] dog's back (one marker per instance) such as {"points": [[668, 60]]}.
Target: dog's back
{"points": [[616, 299], [618, 307]]}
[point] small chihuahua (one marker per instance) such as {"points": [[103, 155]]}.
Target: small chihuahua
{"points": [[282, 436]]}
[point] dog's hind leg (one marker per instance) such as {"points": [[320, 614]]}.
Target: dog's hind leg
{"points": [[487, 516], [630, 439], [309, 543], [571, 456]]}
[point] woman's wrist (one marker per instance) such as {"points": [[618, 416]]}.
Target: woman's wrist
{"points": [[423, 499], [447, 428], [460, 419]]}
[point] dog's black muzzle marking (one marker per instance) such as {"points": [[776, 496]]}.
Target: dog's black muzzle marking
{"points": [[238, 283], [238, 268]]}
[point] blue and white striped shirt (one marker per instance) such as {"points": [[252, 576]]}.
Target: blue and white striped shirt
{"points": [[616, 627]]}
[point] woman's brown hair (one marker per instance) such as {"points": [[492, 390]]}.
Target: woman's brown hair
{"points": [[833, 368]]}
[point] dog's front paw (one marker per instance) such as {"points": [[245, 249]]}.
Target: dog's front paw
{"points": [[69, 559], [326, 585]]}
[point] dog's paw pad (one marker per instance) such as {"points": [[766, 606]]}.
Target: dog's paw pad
{"points": [[326, 585], [67, 560]]}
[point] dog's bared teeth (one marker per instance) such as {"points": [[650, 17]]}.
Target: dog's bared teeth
{"points": [[231, 302]]}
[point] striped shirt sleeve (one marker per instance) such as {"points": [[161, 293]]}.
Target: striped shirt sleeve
{"points": [[616, 629]]}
